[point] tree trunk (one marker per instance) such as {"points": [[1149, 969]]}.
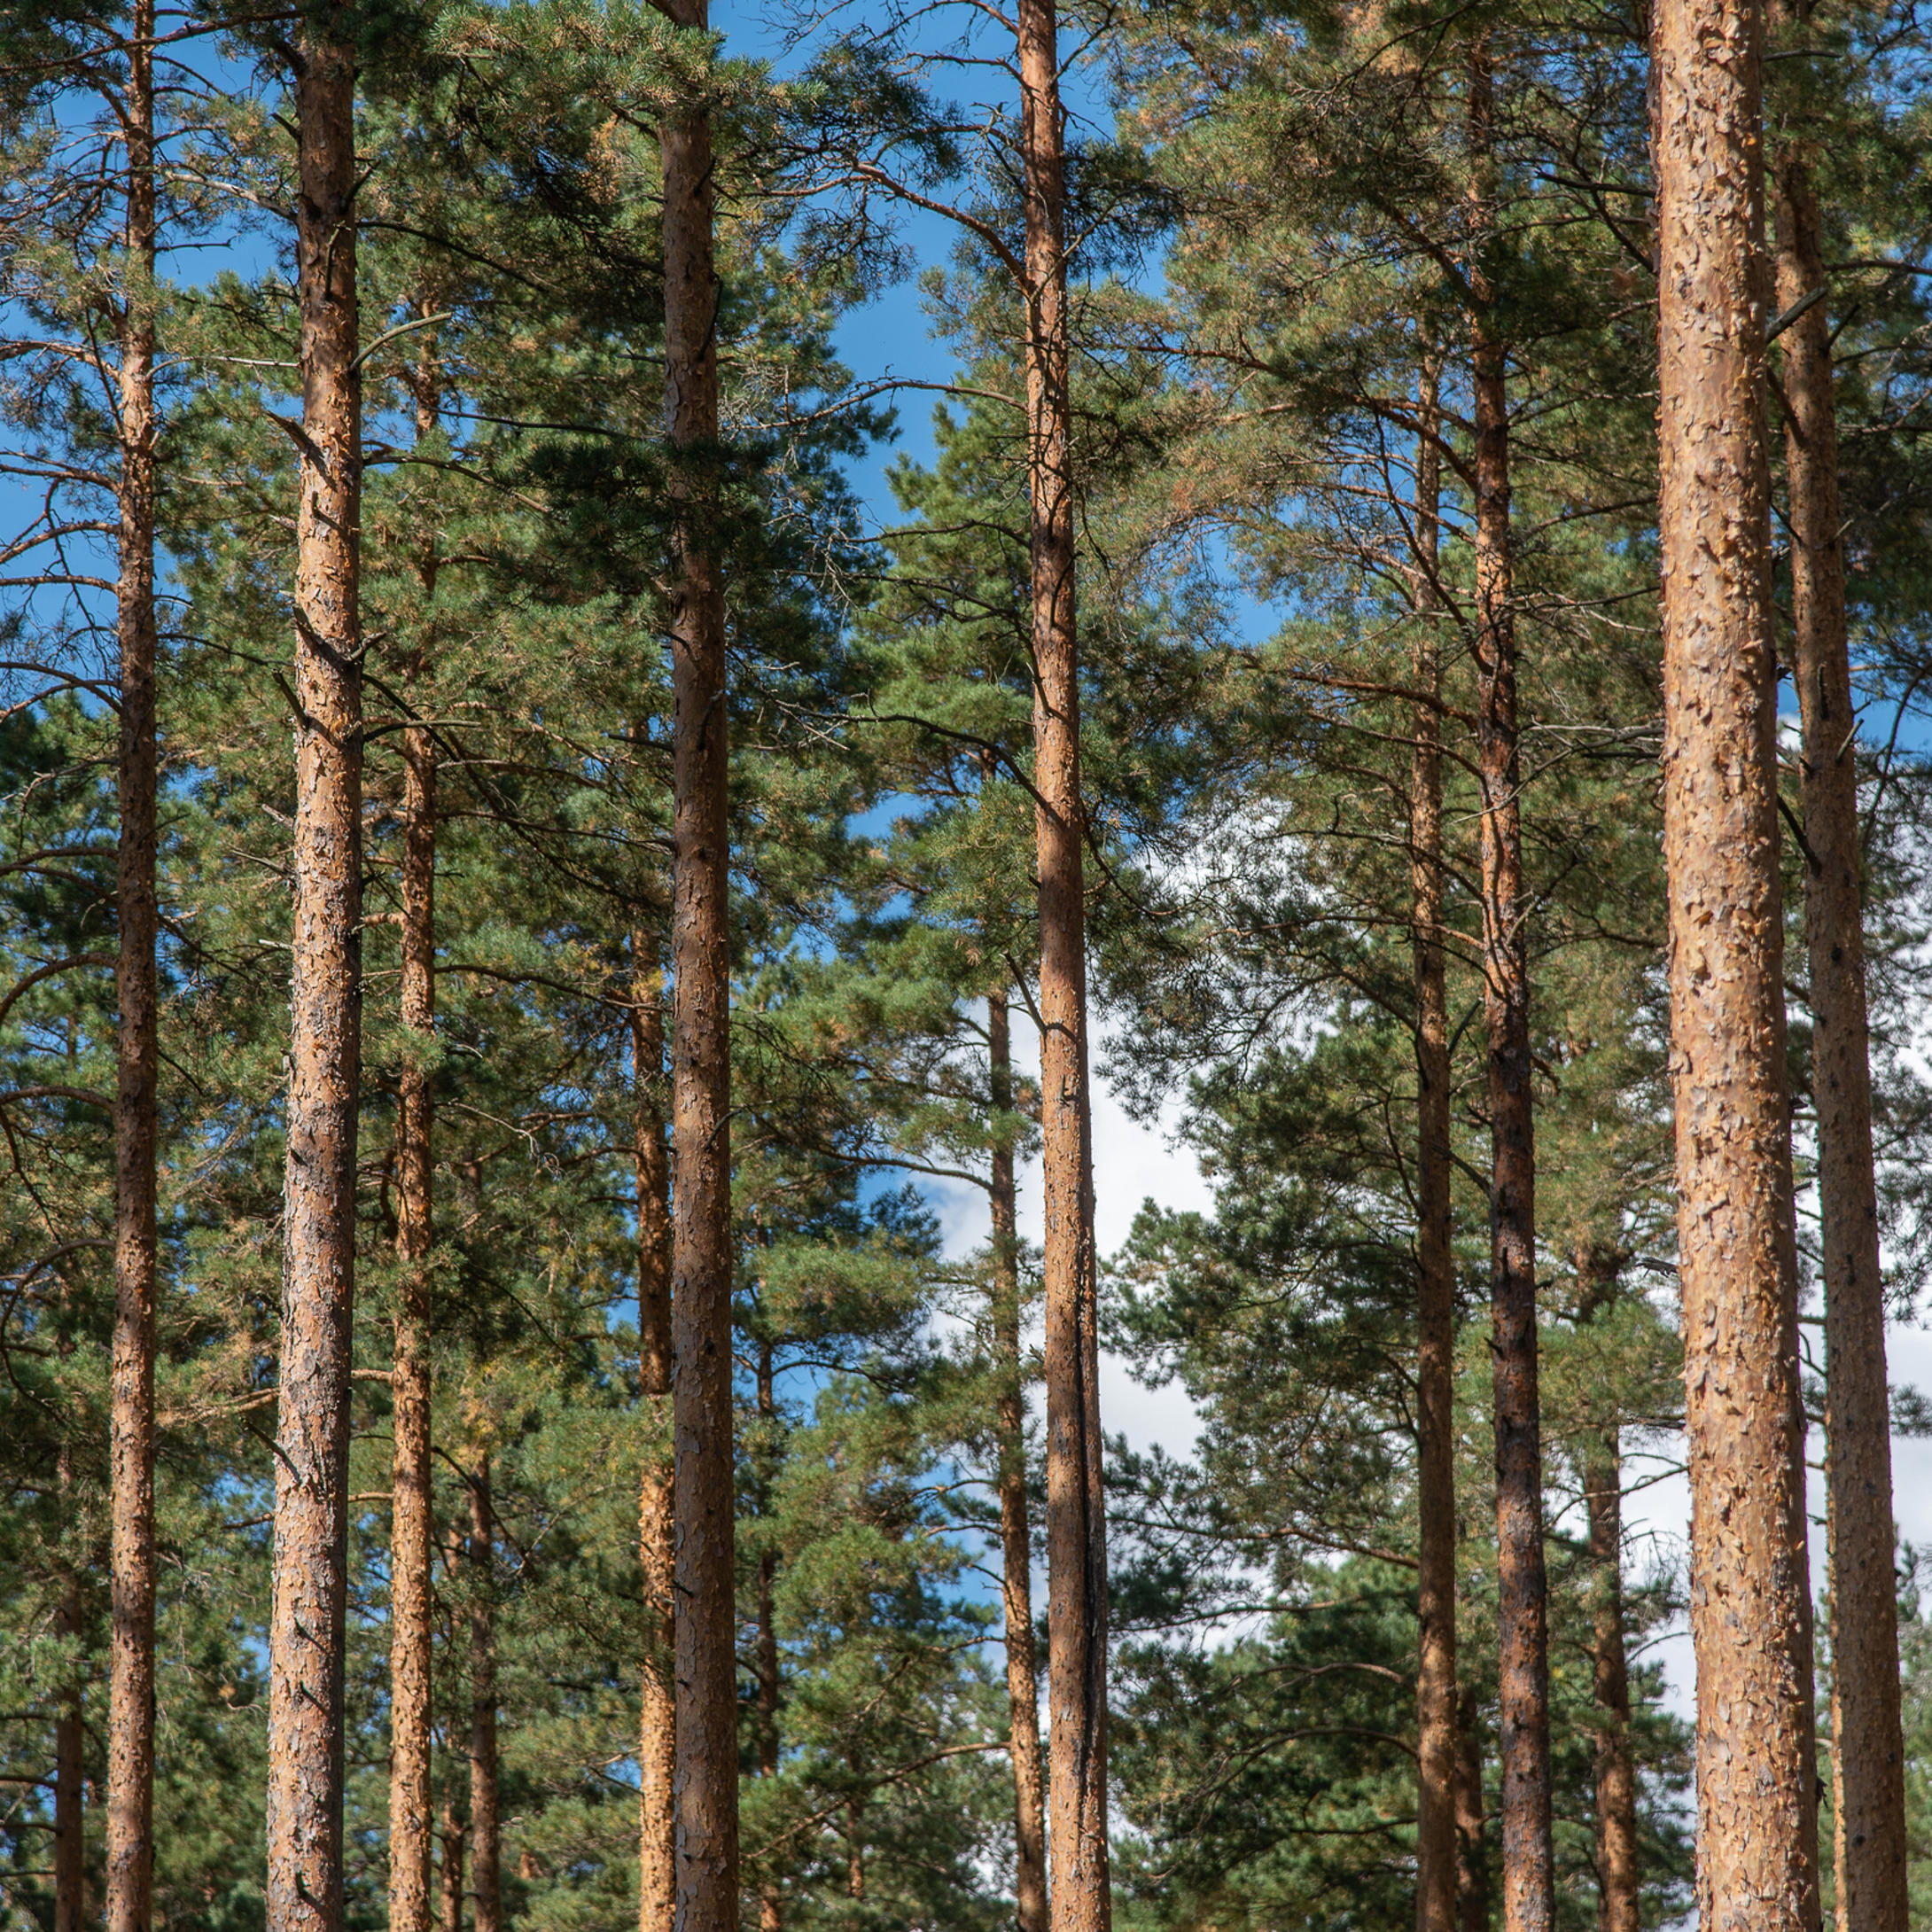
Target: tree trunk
{"points": [[707, 1704], [453, 1834], [1522, 1602], [854, 1850], [1869, 1785], [1617, 1900], [657, 1752], [1435, 1278], [411, 1529], [770, 1906], [485, 1830], [312, 1430], [1472, 1854], [130, 1667], [70, 1742], [1758, 1824], [1016, 1535], [1076, 1518]]}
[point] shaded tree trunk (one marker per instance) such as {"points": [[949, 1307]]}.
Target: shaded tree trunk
{"points": [[1868, 1810], [411, 1529], [1522, 1596], [1016, 1533], [1472, 1852], [130, 1662], [1076, 1518], [1435, 1278], [485, 1824], [454, 1833], [70, 1743], [707, 1708], [1618, 1904], [1756, 1823], [305, 1661], [656, 1747]]}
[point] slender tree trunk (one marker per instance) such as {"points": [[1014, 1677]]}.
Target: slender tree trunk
{"points": [[454, 1833], [854, 1850], [657, 1545], [1472, 1853], [1618, 1897], [312, 1433], [1016, 1534], [411, 1529], [130, 1667], [707, 1704], [1868, 1810], [1435, 1278], [1750, 1619], [1076, 1516], [485, 1827], [1523, 1599], [70, 1743], [770, 1906]]}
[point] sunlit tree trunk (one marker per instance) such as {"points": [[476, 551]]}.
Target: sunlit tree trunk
{"points": [[1868, 1808], [1521, 1585], [1756, 1816], [130, 1665], [306, 1641], [1016, 1534], [657, 1902]]}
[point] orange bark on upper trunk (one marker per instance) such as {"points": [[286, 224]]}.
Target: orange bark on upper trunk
{"points": [[306, 1663], [1751, 1620]]}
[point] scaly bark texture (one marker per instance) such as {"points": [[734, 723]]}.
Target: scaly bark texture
{"points": [[1868, 1812], [1435, 1280], [1472, 1852], [130, 1665], [707, 1704], [312, 1429], [1750, 1626], [1521, 1585], [1015, 1533], [485, 1825], [657, 1546], [1076, 1516], [1618, 1898], [411, 1528]]}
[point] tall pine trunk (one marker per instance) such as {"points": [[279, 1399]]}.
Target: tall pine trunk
{"points": [[1076, 1514], [1868, 1808], [312, 1431], [1750, 1617], [1618, 1897], [706, 1665], [411, 1528], [1521, 1585], [1016, 1533], [1472, 1849], [450, 1876], [130, 1669], [486, 1840], [1435, 1278], [656, 1546]]}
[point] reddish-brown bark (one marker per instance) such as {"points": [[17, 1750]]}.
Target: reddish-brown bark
{"points": [[130, 1667], [1868, 1795], [1757, 1826], [1521, 1585], [656, 1738], [1472, 1851], [701, 1264], [412, 1528], [1435, 1280], [1076, 1518], [1015, 1533], [312, 1431], [485, 1830]]}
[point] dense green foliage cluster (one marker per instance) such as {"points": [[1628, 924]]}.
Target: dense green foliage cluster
{"points": [[1275, 234]]}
